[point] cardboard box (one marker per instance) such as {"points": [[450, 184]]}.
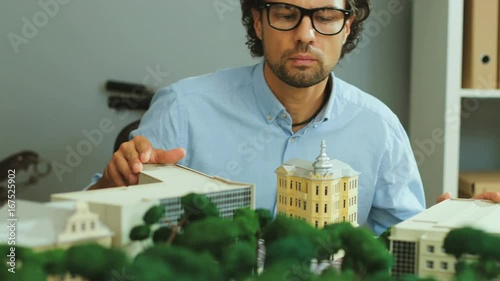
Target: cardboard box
{"points": [[474, 183]]}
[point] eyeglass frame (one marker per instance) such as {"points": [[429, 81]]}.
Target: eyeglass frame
{"points": [[305, 12]]}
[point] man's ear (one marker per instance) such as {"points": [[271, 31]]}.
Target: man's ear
{"points": [[347, 28], [257, 22]]}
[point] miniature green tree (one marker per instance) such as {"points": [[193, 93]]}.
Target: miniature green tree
{"points": [[384, 238], [327, 243], [288, 271], [197, 207], [184, 264], [140, 232], [247, 223], [239, 261], [28, 272], [153, 215], [464, 240], [28, 264], [211, 234], [162, 234], [333, 275], [284, 226], [292, 249], [148, 268], [104, 261], [364, 254], [54, 262], [265, 218]]}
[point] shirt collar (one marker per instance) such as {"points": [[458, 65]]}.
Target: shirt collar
{"points": [[271, 106], [326, 112], [268, 102]]}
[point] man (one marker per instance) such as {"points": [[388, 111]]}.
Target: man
{"points": [[243, 123]]}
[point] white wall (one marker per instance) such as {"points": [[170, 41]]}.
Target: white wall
{"points": [[51, 84]]}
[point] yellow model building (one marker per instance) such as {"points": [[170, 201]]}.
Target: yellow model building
{"points": [[321, 193]]}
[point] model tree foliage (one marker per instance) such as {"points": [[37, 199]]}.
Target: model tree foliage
{"points": [[469, 241], [212, 235], [140, 232], [208, 247], [184, 264], [94, 262], [197, 207]]}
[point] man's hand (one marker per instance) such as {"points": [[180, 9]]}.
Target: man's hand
{"points": [[493, 196], [127, 162]]}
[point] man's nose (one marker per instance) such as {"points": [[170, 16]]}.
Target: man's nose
{"points": [[305, 31]]}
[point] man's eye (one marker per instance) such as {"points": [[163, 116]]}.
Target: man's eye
{"points": [[286, 16], [325, 19]]}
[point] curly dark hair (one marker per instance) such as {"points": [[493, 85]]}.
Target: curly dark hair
{"points": [[360, 9]]}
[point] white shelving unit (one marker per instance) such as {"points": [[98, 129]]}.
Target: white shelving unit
{"points": [[436, 93]]}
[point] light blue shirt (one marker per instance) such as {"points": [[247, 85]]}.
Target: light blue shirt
{"points": [[232, 125]]}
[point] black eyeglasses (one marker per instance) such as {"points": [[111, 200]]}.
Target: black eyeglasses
{"points": [[285, 17]]}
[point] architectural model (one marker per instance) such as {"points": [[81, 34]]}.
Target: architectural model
{"points": [[45, 226], [320, 193], [122, 208], [417, 243]]}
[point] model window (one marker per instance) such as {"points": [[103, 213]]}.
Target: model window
{"points": [[430, 264], [444, 265], [317, 190], [305, 203], [326, 190], [317, 207], [326, 208], [430, 248], [316, 224]]}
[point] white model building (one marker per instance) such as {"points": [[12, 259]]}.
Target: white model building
{"points": [[45, 226], [122, 208], [320, 193], [417, 243]]}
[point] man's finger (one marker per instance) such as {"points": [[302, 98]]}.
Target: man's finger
{"points": [[143, 148], [172, 156], [443, 197], [493, 196]]}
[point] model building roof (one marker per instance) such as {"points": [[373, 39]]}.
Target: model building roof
{"points": [[304, 168], [39, 224], [455, 213], [162, 181]]}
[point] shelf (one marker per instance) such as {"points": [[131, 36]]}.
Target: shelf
{"points": [[480, 93]]}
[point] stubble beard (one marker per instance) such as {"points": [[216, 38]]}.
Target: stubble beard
{"points": [[301, 76]]}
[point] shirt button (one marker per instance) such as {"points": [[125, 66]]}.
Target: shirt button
{"points": [[292, 139], [283, 115], [269, 117]]}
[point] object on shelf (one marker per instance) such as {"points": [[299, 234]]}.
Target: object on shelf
{"points": [[480, 44], [130, 96], [475, 183], [27, 167]]}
